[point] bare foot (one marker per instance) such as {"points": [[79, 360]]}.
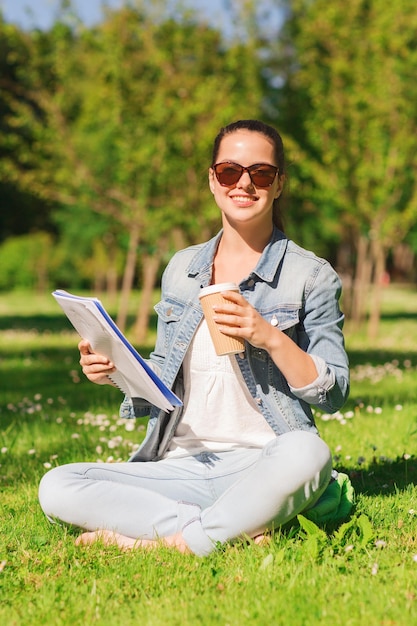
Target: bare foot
{"points": [[175, 541], [262, 540], [110, 538], [106, 537]]}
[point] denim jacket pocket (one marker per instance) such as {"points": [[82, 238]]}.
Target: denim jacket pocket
{"points": [[169, 312], [285, 317]]}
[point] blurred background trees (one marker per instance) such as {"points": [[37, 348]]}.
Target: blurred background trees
{"points": [[354, 83], [106, 135]]}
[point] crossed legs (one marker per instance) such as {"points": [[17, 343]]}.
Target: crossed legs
{"points": [[190, 503]]}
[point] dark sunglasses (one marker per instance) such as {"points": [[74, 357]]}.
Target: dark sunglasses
{"points": [[261, 174]]}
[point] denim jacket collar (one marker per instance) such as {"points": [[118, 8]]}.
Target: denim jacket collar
{"points": [[266, 268]]}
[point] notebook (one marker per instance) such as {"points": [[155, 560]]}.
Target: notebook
{"points": [[133, 374]]}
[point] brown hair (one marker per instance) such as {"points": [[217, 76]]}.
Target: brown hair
{"points": [[257, 126]]}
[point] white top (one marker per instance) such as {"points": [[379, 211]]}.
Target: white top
{"points": [[219, 412]]}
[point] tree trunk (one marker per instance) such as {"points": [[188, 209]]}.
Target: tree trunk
{"points": [[150, 272], [111, 271], [150, 267], [379, 261], [111, 283], [128, 277], [362, 281], [345, 270]]}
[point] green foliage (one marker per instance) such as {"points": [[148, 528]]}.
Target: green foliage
{"points": [[20, 211], [129, 112], [27, 262], [354, 104], [106, 132], [113, 125]]}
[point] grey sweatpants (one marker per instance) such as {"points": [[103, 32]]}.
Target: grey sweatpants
{"points": [[210, 497]]}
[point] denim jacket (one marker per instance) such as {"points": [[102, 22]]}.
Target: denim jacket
{"points": [[293, 289]]}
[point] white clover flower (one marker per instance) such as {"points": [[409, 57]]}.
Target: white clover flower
{"points": [[75, 436], [398, 407], [415, 558], [380, 543], [31, 451], [99, 450], [47, 465], [374, 570], [130, 426], [3, 450]]}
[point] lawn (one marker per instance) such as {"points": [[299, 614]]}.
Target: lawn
{"points": [[364, 572]]}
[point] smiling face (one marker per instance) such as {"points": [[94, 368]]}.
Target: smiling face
{"points": [[244, 202]]}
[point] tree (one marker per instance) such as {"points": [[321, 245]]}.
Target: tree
{"points": [[352, 92], [122, 117], [20, 211]]}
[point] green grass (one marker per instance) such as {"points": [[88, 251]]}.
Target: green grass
{"points": [[364, 572]]}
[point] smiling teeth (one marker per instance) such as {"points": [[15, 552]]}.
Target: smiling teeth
{"points": [[243, 198]]}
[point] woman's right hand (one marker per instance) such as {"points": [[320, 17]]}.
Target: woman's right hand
{"points": [[96, 367]]}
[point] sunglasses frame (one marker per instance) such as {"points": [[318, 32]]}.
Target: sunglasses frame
{"points": [[251, 169]]}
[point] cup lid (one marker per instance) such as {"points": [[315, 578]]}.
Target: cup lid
{"points": [[205, 291]]}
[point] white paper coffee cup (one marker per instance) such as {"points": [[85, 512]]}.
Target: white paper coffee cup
{"points": [[223, 344]]}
